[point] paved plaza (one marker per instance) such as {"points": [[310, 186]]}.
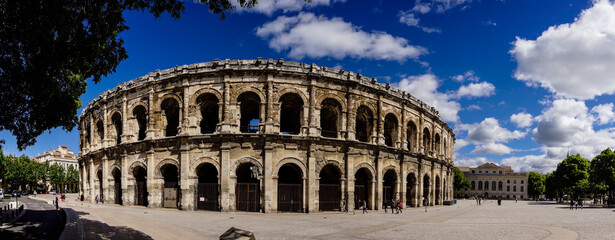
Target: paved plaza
{"points": [[466, 220]]}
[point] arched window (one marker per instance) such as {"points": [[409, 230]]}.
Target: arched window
{"points": [[411, 136], [480, 185], [140, 114], [493, 186], [208, 105], [291, 113], [364, 124], [426, 141], [330, 111], [116, 119], [170, 108], [486, 185], [473, 185], [437, 143], [500, 186], [250, 105], [100, 130], [390, 130], [88, 135]]}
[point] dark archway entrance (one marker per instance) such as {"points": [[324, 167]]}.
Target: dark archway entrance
{"points": [[388, 187], [437, 193], [207, 196], [117, 188], [291, 109], [100, 186], [170, 174], [290, 188], [410, 190], [141, 187], [426, 190], [361, 187], [329, 189], [248, 196]]}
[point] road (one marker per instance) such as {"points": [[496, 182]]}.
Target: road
{"points": [[39, 222]]}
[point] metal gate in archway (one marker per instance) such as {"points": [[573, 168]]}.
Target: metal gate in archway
{"points": [[329, 197], [248, 197], [360, 195], [207, 196], [290, 197]]}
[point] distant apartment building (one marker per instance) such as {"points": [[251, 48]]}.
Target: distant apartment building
{"points": [[63, 157], [492, 181]]}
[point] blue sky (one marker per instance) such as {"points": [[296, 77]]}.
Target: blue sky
{"points": [[521, 82]]}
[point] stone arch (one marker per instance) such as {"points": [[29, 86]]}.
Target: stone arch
{"points": [[290, 113], [391, 129], [202, 91], [139, 118], [195, 163], [134, 165], [364, 123], [171, 109], [411, 135], [284, 91], [251, 160], [368, 104], [246, 89], [131, 107], [367, 166], [112, 168], [330, 119], [337, 98], [166, 161], [389, 167], [322, 164], [167, 96], [292, 160]]}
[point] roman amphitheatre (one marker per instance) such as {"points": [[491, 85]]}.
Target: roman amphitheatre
{"points": [[262, 136]]}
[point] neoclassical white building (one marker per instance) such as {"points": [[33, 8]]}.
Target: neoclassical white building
{"points": [[262, 135], [492, 181], [64, 158]]}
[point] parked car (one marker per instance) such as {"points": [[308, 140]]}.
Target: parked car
{"points": [[16, 193], [24, 193]]}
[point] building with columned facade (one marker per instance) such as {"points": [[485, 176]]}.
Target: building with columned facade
{"points": [[64, 158], [492, 181], [263, 136]]}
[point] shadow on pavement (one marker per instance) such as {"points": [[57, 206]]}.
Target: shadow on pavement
{"points": [[98, 230], [36, 224]]}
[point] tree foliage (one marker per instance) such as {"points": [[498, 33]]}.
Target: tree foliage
{"points": [[48, 49], [573, 175], [602, 172], [460, 180], [536, 184], [22, 171]]}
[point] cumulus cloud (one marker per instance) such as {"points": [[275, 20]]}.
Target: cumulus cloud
{"points": [[408, 18], [521, 119], [604, 113], [460, 143], [489, 131], [425, 87], [574, 59], [473, 107], [307, 35], [268, 7], [482, 89], [469, 162], [492, 148], [537, 163], [564, 121], [467, 76]]}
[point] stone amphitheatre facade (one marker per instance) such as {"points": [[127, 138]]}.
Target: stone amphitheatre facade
{"points": [[265, 136]]}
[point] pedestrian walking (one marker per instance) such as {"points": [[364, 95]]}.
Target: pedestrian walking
{"points": [[476, 197], [392, 202], [386, 205], [399, 208], [96, 199], [344, 206], [571, 204], [479, 200], [364, 207]]}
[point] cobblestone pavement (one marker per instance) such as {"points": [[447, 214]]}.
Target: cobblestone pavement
{"points": [[521, 220]]}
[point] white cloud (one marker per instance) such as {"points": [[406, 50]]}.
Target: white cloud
{"points": [[268, 7], [492, 148], [566, 120], [489, 131], [604, 113], [408, 18], [482, 89], [425, 88], [470, 162], [572, 60], [473, 107], [440, 6], [467, 76], [536, 163], [307, 35], [460, 143], [521, 119]]}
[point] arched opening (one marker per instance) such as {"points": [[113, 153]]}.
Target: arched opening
{"points": [[388, 187], [117, 188], [426, 141], [329, 194], [411, 136], [170, 174], [101, 197], [493, 186], [426, 191], [390, 130], [473, 185], [437, 144], [290, 188], [250, 105], [291, 109], [486, 185], [330, 111], [410, 190], [170, 108], [140, 114], [208, 104], [444, 188], [445, 152], [140, 175], [100, 130], [88, 135], [438, 190], [207, 195], [480, 185], [500, 186], [248, 188], [362, 185], [364, 124], [116, 119]]}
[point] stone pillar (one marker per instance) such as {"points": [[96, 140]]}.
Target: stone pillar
{"points": [[379, 180], [187, 189], [105, 179], [225, 125], [432, 185], [404, 182], [343, 183], [312, 181], [350, 183], [419, 184], [184, 121], [313, 128], [351, 113], [151, 124], [92, 185], [127, 196], [268, 107], [268, 180], [150, 181], [124, 135], [404, 130], [372, 202], [380, 122], [225, 195]]}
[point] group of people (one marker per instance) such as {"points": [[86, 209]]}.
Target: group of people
{"points": [[395, 206], [576, 205]]}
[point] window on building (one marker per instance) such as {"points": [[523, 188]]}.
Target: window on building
{"points": [[521, 188], [500, 171], [514, 196], [493, 171], [514, 188], [500, 186], [508, 188], [472, 171], [521, 181], [480, 171], [473, 185], [507, 196], [514, 181], [480, 185], [508, 181]]}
